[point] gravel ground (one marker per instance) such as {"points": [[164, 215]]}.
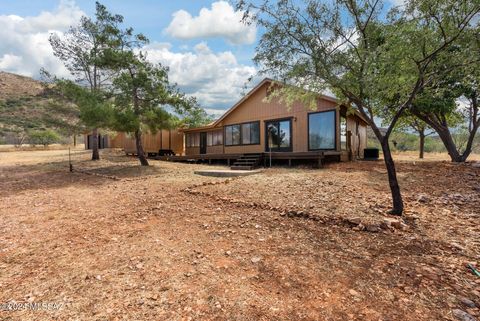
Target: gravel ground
{"points": [[113, 241]]}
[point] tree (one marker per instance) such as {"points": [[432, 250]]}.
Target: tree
{"points": [[142, 96], [84, 49], [194, 115], [62, 114], [451, 105], [374, 63], [94, 107], [19, 137], [409, 122], [420, 127], [43, 137]]}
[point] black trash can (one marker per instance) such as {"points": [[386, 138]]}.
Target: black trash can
{"points": [[370, 154]]}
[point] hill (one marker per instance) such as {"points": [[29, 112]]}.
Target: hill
{"points": [[26, 106], [16, 86]]}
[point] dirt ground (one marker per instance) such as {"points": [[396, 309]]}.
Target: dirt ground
{"points": [[113, 241]]}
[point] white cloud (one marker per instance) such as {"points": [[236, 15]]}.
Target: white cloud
{"points": [[219, 21], [215, 112], [216, 79], [398, 2], [24, 46]]}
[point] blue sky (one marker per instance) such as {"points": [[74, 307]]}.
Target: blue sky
{"points": [[209, 51]]}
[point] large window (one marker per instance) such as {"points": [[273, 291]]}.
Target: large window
{"points": [[279, 134], [321, 130], [242, 134], [215, 138], [232, 135], [193, 140], [251, 133]]}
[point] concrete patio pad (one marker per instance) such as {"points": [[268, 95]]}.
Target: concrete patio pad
{"points": [[226, 172]]}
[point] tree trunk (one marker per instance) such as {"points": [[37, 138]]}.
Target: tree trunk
{"points": [[392, 179], [444, 133], [95, 153], [422, 144], [449, 144], [471, 137], [74, 140], [140, 152]]}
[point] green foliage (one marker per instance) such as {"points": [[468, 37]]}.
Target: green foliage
{"points": [[87, 51], [374, 63], [37, 113], [84, 49], [437, 104], [378, 65], [194, 116], [143, 96], [406, 141], [43, 137], [94, 108]]}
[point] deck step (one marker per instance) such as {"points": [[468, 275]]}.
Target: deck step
{"points": [[247, 162], [244, 162]]}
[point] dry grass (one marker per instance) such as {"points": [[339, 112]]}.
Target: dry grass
{"points": [[160, 243], [413, 156], [38, 148]]}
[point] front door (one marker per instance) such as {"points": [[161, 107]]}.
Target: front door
{"points": [[203, 143], [279, 135]]}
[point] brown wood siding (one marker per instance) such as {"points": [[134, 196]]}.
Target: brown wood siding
{"points": [[177, 141], [192, 150], [117, 141], [256, 109], [363, 138], [218, 149], [153, 143]]}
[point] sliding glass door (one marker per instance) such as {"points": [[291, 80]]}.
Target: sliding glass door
{"points": [[279, 135]]}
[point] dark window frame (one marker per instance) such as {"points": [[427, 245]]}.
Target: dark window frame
{"points": [[335, 130], [213, 140], [192, 139], [241, 138], [280, 149]]}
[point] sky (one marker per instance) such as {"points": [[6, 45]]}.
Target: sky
{"points": [[208, 49]]}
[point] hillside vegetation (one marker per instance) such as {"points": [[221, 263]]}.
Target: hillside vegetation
{"points": [[27, 107], [402, 141]]}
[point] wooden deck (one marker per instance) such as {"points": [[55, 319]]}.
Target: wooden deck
{"points": [[317, 155], [200, 157]]}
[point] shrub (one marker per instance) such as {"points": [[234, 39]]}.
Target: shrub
{"points": [[43, 137]]}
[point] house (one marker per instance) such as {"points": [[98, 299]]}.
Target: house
{"points": [[163, 142], [254, 129]]}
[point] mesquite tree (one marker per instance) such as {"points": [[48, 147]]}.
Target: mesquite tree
{"points": [[408, 123], [452, 104], [422, 130], [374, 62], [82, 49]]}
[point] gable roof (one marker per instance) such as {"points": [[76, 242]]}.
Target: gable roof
{"points": [[250, 93]]}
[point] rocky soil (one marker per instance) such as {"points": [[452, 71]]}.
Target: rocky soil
{"points": [[113, 241]]}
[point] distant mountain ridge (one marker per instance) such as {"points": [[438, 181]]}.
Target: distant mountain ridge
{"points": [[15, 86], [25, 106]]}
